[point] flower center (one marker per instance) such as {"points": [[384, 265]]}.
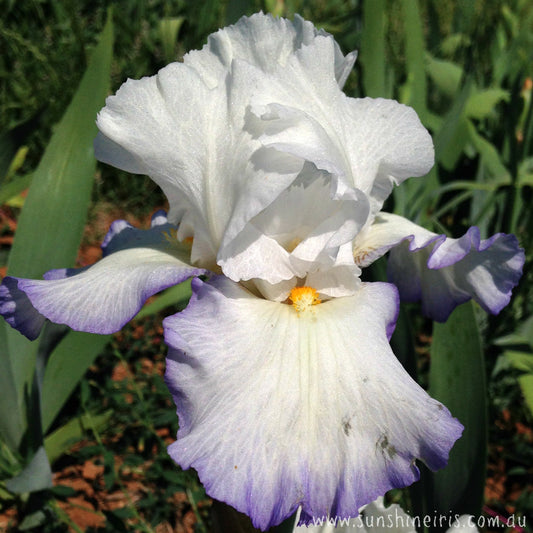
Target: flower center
{"points": [[303, 298]]}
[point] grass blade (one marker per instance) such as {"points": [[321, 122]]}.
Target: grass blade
{"points": [[14, 188], [58, 442]]}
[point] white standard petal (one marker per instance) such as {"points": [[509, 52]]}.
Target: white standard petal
{"points": [[281, 408], [298, 234], [443, 272], [184, 127], [265, 41], [174, 128], [370, 144]]}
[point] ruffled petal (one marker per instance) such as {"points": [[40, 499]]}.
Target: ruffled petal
{"points": [[442, 272], [98, 299], [370, 144], [265, 41], [18, 311], [301, 232], [226, 134], [280, 409], [305, 80], [184, 127], [341, 279], [173, 128]]}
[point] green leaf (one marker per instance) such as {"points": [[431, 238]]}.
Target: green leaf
{"points": [[373, 48], [63, 491], [37, 475], [482, 103], [168, 30], [33, 520], [58, 442], [275, 7], [20, 357], [444, 74], [523, 361], [14, 188], [66, 366], [51, 224], [17, 162], [525, 172], [11, 422], [526, 330], [415, 89], [457, 379], [526, 384], [177, 296], [450, 140], [489, 156], [450, 152], [12, 152]]}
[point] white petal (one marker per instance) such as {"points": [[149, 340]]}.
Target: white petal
{"points": [[298, 234], [264, 41], [443, 272], [279, 409], [183, 127], [387, 231], [166, 127], [370, 144], [99, 299]]}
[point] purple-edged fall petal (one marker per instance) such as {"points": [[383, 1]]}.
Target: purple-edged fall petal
{"points": [[280, 409], [103, 297]]}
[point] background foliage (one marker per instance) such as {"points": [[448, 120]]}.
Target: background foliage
{"points": [[464, 65]]}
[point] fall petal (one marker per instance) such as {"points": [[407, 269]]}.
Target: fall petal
{"points": [[280, 409]]}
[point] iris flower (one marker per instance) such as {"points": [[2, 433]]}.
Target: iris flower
{"points": [[287, 391]]}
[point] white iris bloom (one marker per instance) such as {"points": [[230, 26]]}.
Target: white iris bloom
{"points": [[287, 390]]}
